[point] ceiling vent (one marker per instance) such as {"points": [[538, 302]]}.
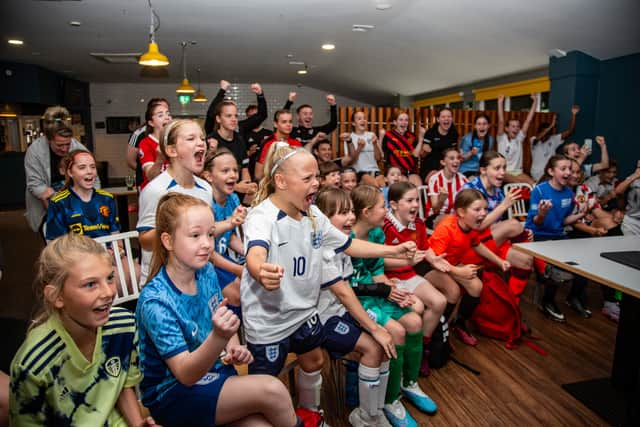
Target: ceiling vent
{"points": [[116, 58]]}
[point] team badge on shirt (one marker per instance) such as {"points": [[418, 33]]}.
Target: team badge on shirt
{"points": [[113, 367], [342, 328], [316, 239], [104, 211], [76, 228], [272, 352]]}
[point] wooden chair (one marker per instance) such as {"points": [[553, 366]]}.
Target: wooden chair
{"points": [[124, 293], [519, 208]]}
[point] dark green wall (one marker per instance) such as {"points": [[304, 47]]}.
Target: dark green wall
{"points": [[607, 92]]}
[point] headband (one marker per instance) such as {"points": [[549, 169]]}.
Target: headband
{"points": [[284, 158], [167, 129]]}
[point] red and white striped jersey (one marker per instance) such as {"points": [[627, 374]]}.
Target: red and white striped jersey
{"points": [[438, 181]]}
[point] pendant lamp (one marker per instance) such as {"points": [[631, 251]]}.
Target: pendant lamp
{"points": [[153, 57], [185, 86], [199, 95]]}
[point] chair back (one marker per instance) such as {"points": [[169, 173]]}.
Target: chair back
{"points": [[124, 293], [519, 208], [423, 197]]}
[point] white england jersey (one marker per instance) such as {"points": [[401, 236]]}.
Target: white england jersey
{"points": [[336, 267], [148, 205], [271, 316]]}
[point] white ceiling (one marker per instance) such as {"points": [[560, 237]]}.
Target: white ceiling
{"points": [[417, 46]]}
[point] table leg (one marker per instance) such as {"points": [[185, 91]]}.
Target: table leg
{"points": [[615, 398], [123, 212], [624, 374]]}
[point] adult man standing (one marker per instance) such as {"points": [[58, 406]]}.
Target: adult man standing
{"points": [[305, 132]]}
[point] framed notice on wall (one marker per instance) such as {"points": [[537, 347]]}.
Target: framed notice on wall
{"points": [[122, 124]]}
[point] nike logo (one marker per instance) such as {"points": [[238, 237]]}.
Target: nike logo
{"points": [[194, 332], [282, 244]]}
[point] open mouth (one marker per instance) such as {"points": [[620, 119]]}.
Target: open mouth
{"points": [[346, 228], [199, 155], [102, 310], [310, 198], [228, 186], [479, 221]]}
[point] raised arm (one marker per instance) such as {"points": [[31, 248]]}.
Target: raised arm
{"points": [[532, 112], [604, 155], [290, 100], [210, 120], [333, 120], [572, 123], [419, 142], [541, 136], [500, 129], [247, 125]]}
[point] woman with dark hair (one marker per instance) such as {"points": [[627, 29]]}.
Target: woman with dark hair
{"points": [[474, 144], [151, 161], [442, 135], [401, 147]]}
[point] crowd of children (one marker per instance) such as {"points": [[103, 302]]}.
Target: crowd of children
{"points": [[321, 254]]}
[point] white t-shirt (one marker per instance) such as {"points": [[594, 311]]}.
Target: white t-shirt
{"points": [[453, 186], [367, 159], [511, 149], [271, 316], [336, 267], [541, 152], [148, 204]]}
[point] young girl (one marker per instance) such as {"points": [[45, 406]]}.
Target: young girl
{"points": [[474, 144], [188, 340], [496, 233], [443, 187], [402, 224], [221, 172], [329, 174], [152, 162], [392, 176], [283, 123], [79, 208], [348, 180], [454, 236], [400, 146], [361, 146], [394, 313], [510, 138], [79, 364], [344, 318], [442, 135], [550, 211], [286, 238], [182, 142]]}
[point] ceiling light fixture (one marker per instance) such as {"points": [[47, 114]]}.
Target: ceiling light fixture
{"points": [[185, 86], [328, 46], [153, 57], [199, 95], [383, 6], [75, 23], [15, 42], [361, 28], [302, 72]]}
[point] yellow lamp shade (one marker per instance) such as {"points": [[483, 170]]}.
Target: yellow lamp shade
{"points": [[185, 87], [199, 97], [153, 57]]}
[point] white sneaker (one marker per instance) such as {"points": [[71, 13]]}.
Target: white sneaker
{"points": [[381, 420], [398, 416], [359, 418]]}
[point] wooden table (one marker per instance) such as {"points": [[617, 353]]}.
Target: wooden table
{"points": [[615, 399], [122, 201]]}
